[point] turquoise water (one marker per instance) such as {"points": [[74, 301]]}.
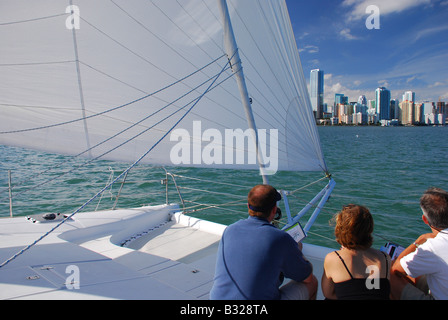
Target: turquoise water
{"points": [[385, 169]]}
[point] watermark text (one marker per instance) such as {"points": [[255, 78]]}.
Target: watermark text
{"points": [[373, 21], [233, 147], [73, 21]]}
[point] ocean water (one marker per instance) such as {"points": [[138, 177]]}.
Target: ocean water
{"points": [[383, 168]]}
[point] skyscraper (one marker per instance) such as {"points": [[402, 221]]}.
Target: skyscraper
{"points": [[362, 100], [409, 96], [317, 92], [382, 98]]}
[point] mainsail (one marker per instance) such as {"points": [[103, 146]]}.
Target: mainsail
{"points": [[116, 78]]}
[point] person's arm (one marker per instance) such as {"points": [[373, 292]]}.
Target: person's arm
{"points": [[397, 268], [296, 267], [327, 282]]}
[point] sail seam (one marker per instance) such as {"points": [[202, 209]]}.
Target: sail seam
{"points": [[116, 135], [32, 20], [118, 178], [115, 108]]}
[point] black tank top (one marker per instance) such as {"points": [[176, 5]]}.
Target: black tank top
{"points": [[356, 288]]}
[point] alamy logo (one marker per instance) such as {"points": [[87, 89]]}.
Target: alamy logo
{"points": [[73, 20], [373, 21], [72, 282], [373, 280], [235, 146]]}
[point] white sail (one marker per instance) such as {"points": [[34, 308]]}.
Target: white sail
{"points": [[116, 78]]}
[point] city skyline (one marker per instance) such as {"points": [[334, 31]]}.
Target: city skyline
{"points": [[407, 53]]}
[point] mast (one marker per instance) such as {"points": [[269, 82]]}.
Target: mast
{"points": [[232, 52]]}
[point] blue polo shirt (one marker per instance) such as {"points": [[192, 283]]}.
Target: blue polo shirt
{"points": [[252, 256]]}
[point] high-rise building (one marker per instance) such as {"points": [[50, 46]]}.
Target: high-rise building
{"points": [[362, 100], [339, 98], [419, 116], [317, 92], [382, 99], [407, 113], [409, 96], [429, 107], [394, 109]]}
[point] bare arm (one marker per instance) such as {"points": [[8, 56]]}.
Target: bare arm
{"points": [[327, 282], [397, 268]]}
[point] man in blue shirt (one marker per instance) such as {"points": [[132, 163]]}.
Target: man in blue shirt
{"points": [[254, 257]]}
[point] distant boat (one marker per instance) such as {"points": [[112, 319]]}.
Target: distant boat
{"points": [[154, 82]]}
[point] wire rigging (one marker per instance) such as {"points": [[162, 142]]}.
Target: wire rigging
{"points": [[116, 179], [119, 133]]}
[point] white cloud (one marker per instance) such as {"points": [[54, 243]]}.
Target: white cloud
{"points": [[337, 84], [436, 84], [429, 31], [315, 63], [309, 49], [304, 35], [383, 83], [345, 33], [444, 96], [358, 8]]}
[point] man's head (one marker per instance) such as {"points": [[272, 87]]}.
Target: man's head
{"points": [[262, 201], [434, 204]]}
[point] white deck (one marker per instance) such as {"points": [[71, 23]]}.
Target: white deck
{"points": [[161, 259]]}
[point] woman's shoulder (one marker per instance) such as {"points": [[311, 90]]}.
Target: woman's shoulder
{"points": [[380, 254], [331, 258]]}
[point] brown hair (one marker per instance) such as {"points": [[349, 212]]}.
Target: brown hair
{"points": [[354, 227]]}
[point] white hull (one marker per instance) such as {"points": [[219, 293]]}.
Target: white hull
{"points": [[153, 253]]}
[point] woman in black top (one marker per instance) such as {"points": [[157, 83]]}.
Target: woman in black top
{"points": [[357, 271]]}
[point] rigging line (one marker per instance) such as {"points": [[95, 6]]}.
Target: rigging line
{"points": [[205, 52], [271, 72], [214, 192], [155, 35], [32, 20], [259, 50], [115, 180], [268, 86], [196, 204], [80, 88], [197, 23], [182, 56], [260, 92], [161, 40], [143, 58], [234, 203], [214, 182], [308, 185], [109, 151], [208, 207], [286, 62], [35, 63], [115, 108], [112, 77], [110, 138], [181, 28], [133, 87], [204, 2], [126, 48], [36, 107]]}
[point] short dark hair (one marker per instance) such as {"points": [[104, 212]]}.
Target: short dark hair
{"points": [[262, 199], [434, 203]]}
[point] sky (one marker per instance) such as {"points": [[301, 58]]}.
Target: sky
{"points": [[409, 51]]}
